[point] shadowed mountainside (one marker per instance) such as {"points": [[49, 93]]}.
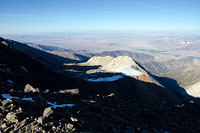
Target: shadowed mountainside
{"points": [[124, 105], [170, 65], [39, 76], [50, 60], [18, 69]]}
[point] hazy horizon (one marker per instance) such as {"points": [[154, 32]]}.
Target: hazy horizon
{"points": [[47, 16]]}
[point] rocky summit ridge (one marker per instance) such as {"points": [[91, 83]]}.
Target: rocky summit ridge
{"points": [[121, 64]]}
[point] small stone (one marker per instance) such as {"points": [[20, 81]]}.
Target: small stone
{"points": [[53, 128], [71, 91], [70, 126], [4, 43], [20, 110], [6, 102], [41, 120], [3, 126], [8, 129], [46, 91], [191, 101], [12, 117], [29, 88], [73, 119], [47, 112], [24, 122], [111, 95]]}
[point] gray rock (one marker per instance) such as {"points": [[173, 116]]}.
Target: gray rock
{"points": [[20, 110], [41, 120], [46, 91], [69, 127], [73, 119], [71, 91], [24, 122], [47, 112], [3, 126], [6, 102], [29, 88], [12, 117]]}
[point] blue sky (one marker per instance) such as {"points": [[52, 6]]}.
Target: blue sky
{"points": [[39, 16]]}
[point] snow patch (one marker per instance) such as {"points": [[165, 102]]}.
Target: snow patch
{"points": [[2, 70], [54, 105], [27, 99], [10, 81], [106, 79], [8, 96], [24, 69], [129, 71]]}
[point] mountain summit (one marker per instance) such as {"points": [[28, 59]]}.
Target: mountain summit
{"points": [[121, 64]]}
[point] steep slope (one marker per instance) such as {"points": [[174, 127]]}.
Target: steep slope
{"points": [[98, 60], [18, 69], [77, 56], [170, 65], [194, 90], [50, 48], [51, 61], [124, 105], [121, 64], [188, 78], [125, 65], [139, 57], [124, 77], [139, 84], [185, 76]]}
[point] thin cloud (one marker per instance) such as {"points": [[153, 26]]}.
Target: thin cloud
{"points": [[150, 5], [17, 15]]}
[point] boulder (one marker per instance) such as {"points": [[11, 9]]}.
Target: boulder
{"points": [[71, 91], [21, 124], [6, 102], [11, 116], [73, 119], [69, 127], [47, 112], [28, 88], [41, 120]]}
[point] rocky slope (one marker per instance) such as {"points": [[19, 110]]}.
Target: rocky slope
{"points": [[83, 55], [194, 90], [188, 78], [98, 60], [52, 61], [170, 65], [139, 57], [35, 99], [185, 76], [17, 70], [94, 114], [128, 78], [121, 64], [28, 71]]}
